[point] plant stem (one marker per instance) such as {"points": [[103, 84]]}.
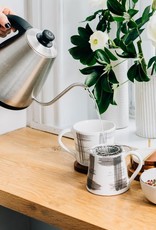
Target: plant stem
{"points": [[141, 56], [119, 63], [124, 82]]}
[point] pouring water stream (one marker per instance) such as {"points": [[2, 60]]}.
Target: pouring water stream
{"points": [[65, 91]]}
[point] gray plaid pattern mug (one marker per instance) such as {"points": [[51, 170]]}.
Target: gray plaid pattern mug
{"points": [[86, 134], [107, 170]]}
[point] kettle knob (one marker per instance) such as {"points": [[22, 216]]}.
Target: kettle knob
{"points": [[46, 38]]}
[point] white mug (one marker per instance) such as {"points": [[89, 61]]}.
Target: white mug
{"points": [[107, 170], [88, 133]]}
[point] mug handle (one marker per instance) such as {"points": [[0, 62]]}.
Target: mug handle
{"points": [[139, 165], [65, 147]]}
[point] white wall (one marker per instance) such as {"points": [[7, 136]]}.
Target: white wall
{"points": [[11, 120]]}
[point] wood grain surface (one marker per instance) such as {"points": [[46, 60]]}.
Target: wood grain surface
{"points": [[38, 179]]}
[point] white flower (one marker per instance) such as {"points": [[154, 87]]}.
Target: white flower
{"points": [[99, 4], [98, 40], [151, 29]]}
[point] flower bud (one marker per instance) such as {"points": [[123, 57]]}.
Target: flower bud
{"points": [[154, 5]]}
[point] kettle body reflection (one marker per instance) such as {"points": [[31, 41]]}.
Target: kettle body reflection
{"points": [[26, 59]]}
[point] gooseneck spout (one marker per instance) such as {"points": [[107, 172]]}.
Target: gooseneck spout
{"points": [[60, 94]]}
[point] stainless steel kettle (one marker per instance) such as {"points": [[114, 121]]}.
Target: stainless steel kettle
{"points": [[26, 59]]}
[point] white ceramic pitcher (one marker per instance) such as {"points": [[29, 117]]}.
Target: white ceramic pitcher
{"points": [[107, 172]]}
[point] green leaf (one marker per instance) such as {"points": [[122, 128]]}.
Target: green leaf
{"points": [[124, 28], [78, 41], [132, 12], [89, 30], [117, 42], [76, 52], [136, 72], [92, 69], [112, 77], [132, 24], [141, 73], [135, 1], [123, 3], [145, 17], [110, 55], [91, 79], [129, 50], [132, 35], [85, 33], [102, 25], [88, 59], [152, 64], [105, 84], [94, 73], [91, 17], [102, 56], [151, 61], [146, 14], [132, 72], [102, 97], [154, 68], [119, 19], [115, 7]]}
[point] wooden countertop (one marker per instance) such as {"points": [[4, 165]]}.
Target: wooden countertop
{"points": [[38, 179]]}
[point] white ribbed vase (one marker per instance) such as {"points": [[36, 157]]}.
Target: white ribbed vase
{"points": [[145, 103]]}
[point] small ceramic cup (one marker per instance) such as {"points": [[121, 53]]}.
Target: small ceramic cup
{"points": [[86, 134]]}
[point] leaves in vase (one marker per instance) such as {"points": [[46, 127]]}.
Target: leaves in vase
{"points": [[136, 72], [88, 60], [132, 12], [135, 1], [132, 35], [105, 84], [119, 19], [102, 97], [102, 56], [100, 72], [93, 16], [76, 52], [128, 50], [112, 77], [152, 64], [78, 41], [115, 7], [85, 33], [144, 18], [146, 15], [110, 55], [93, 73]]}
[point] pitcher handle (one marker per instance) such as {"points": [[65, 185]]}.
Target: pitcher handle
{"points": [[135, 153]]}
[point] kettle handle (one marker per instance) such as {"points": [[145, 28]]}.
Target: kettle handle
{"points": [[19, 24]]}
